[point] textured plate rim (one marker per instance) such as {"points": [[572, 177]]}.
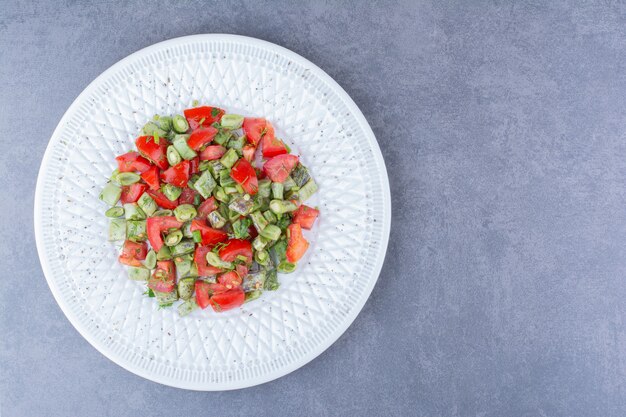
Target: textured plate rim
{"points": [[333, 336]]}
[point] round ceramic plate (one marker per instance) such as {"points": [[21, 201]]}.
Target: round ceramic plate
{"points": [[266, 338]]}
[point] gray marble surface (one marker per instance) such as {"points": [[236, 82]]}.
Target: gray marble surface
{"points": [[502, 126]]}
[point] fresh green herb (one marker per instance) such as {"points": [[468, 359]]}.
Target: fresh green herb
{"points": [[215, 111], [240, 228]]}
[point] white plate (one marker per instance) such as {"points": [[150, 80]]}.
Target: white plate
{"points": [[264, 339]]}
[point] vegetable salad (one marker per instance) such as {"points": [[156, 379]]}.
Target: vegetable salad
{"points": [[210, 207]]}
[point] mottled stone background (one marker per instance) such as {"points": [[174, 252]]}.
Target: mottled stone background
{"points": [[502, 126]]}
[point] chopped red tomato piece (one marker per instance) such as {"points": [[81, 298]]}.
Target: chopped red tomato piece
{"points": [[177, 175], [132, 161], [157, 225], [163, 201], [305, 216], [230, 279], [133, 252], [242, 270], [202, 293], [243, 173], [194, 166], [199, 257], [151, 177], [228, 300], [163, 278], [188, 196], [212, 152], [297, 244], [206, 207], [254, 128], [210, 236], [272, 146], [131, 193], [201, 136], [205, 114], [279, 167], [248, 152], [156, 152], [234, 248]]}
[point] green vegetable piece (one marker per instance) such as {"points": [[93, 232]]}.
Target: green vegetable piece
{"points": [[173, 157], [280, 206], [110, 194], [185, 212], [183, 267], [173, 238], [216, 219], [214, 260], [225, 179], [259, 243], [151, 259], [179, 124], [166, 299], [271, 232], [278, 252], [113, 177], [187, 307], [163, 212], [286, 267], [147, 204], [222, 137], [242, 204], [215, 167], [138, 274], [306, 191], [164, 123], [231, 190], [187, 230], [204, 165], [270, 217], [236, 142], [172, 192], [221, 195], [265, 188], [240, 228], [253, 295], [197, 236], [164, 254], [133, 212], [229, 158], [233, 216], [283, 222], [271, 281], [205, 184], [136, 230], [277, 190], [183, 248], [258, 220], [231, 121], [180, 143], [127, 178], [114, 212], [300, 175], [289, 183], [152, 129], [262, 257], [117, 230], [254, 280], [186, 287]]}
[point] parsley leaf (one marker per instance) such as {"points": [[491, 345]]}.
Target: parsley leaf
{"points": [[215, 111]]}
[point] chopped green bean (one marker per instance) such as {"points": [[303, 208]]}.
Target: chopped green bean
{"points": [[173, 238], [186, 287], [307, 190], [236, 142], [222, 137], [214, 260], [258, 220], [277, 191], [271, 232], [271, 281], [269, 216], [151, 129], [179, 124], [231, 121], [216, 219], [111, 194], [215, 167], [165, 123], [165, 299], [127, 178], [205, 184], [114, 212], [185, 212], [289, 183], [180, 143], [242, 204], [147, 204], [173, 157], [187, 307], [259, 243], [117, 230], [300, 175], [197, 236], [162, 213], [280, 206], [172, 192], [113, 177], [225, 179], [186, 229], [231, 190], [164, 254], [184, 247], [252, 295], [221, 195], [262, 257], [183, 267], [229, 158], [136, 230], [265, 188], [286, 267], [204, 165], [240, 228], [133, 212], [151, 259], [138, 274], [279, 251]]}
